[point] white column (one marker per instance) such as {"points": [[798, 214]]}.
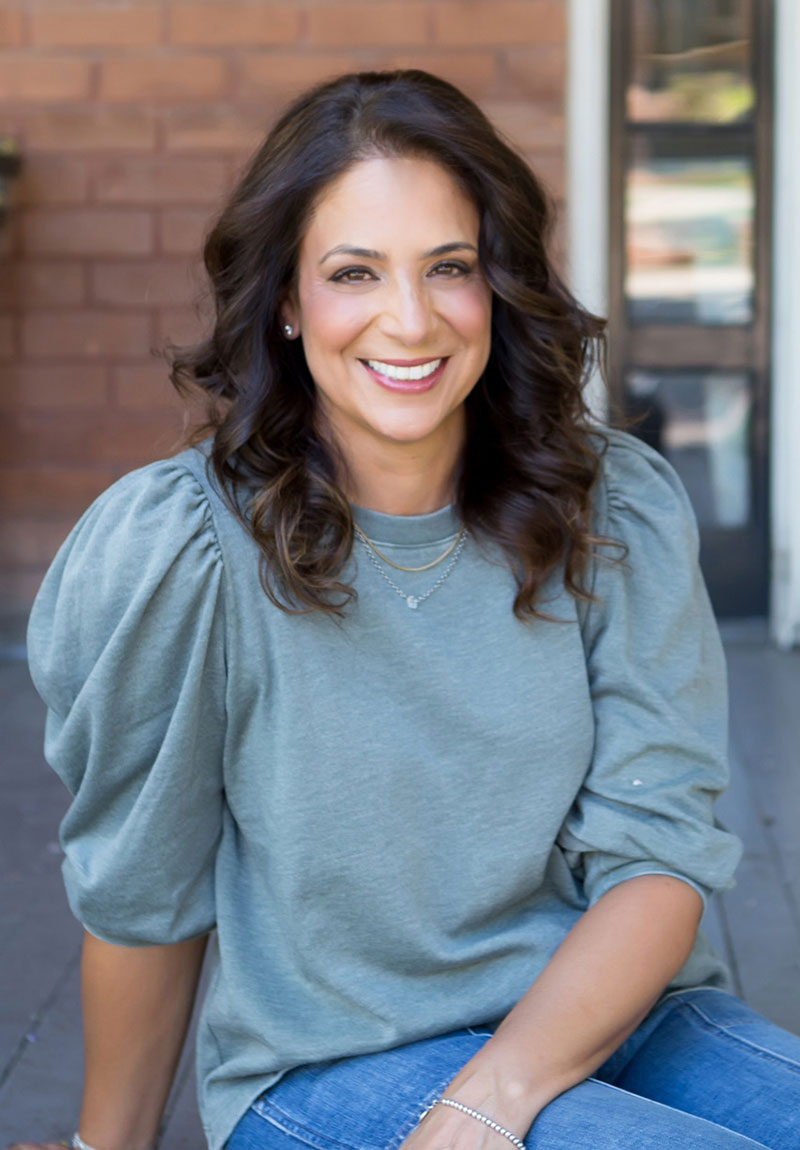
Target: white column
{"points": [[587, 161], [785, 447]]}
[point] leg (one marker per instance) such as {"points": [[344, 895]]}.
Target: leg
{"points": [[254, 1133], [596, 1116], [591, 1116], [373, 1102], [712, 1056]]}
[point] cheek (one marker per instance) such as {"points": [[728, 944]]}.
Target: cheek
{"points": [[332, 320], [469, 312]]}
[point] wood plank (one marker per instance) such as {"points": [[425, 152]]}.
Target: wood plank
{"points": [[39, 932], [39, 938], [765, 939], [41, 1099], [765, 724]]}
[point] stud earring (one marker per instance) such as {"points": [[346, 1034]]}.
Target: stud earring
{"points": [[288, 330]]}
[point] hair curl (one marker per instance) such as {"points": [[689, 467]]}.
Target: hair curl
{"points": [[530, 458]]}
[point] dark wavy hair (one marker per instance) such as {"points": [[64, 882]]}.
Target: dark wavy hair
{"points": [[530, 458]]}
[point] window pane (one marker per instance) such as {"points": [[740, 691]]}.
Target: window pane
{"points": [[700, 423], [689, 224], [691, 61]]}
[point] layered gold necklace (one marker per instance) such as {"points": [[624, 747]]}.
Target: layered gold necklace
{"points": [[398, 566]]}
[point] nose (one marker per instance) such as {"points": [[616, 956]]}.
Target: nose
{"points": [[408, 315]]}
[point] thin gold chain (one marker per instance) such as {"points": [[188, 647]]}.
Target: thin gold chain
{"points": [[397, 566]]}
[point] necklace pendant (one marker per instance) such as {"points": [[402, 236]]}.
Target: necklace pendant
{"points": [[412, 601]]}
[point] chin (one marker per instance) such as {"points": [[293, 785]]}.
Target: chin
{"points": [[406, 431], [413, 420]]}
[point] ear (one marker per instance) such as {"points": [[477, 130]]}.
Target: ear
{"points": [[290, 316]]}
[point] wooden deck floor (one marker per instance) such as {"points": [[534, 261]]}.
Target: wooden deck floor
{"points": [[756, 926]]}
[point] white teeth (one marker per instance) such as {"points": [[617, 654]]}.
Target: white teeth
{"points": [[393, 372]]}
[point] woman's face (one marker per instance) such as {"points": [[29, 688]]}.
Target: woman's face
{"points": [[392, 309]]}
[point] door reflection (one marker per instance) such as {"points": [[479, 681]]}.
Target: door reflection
{"points": [[700, 423]]}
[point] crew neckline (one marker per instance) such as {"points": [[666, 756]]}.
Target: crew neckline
{"points": [[408, 530], [401, 530]]}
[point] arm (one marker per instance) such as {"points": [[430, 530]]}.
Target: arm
{"points": [[137, 1003], [597, 987], [130, 660]]}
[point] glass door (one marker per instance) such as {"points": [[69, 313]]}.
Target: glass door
{"points": [[690, 245]]}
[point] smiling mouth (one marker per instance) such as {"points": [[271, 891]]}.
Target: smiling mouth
{"points": [[409, 378], [404, 373]]}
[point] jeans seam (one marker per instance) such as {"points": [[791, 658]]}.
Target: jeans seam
{"points": [[667, 1108], [283, 1121], [412, 1123], [630, 1047], [268, 1110], [725, 1032]]}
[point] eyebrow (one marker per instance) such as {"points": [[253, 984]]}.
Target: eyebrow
{"points": [[371, 254]]}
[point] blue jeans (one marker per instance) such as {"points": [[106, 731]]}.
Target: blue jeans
{"points": [[702, 1071]]}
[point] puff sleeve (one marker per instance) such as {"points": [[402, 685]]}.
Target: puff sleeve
{"points": [[659, 692], [126, 647]]}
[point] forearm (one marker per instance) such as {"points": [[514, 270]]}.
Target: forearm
{"points": [[137, 1003], [595, 990]]}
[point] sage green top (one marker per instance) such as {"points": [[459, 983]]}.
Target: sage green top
{"points": [[392, 820]]}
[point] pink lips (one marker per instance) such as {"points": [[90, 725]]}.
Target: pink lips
{"points": [[407, 386]]}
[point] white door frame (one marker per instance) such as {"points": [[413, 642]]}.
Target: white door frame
{"points": [[785, 396], [588, 31]]}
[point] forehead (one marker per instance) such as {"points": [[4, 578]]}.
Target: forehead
{"points": [[384, 202]]}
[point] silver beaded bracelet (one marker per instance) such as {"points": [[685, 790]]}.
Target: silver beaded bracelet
{"points": [[78, 1143], [520, 1145]]}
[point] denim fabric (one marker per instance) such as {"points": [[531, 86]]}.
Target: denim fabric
{"points": [[703, 1071]]}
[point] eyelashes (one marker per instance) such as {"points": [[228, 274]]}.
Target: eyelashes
{"points": [[453, 269], [352, 276], [445, 269]]}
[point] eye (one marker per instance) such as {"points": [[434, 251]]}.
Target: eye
{"points": [[451, 269], [352, 276]]}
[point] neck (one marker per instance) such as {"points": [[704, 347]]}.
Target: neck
{"points": [[395, 492], [400, 478]]}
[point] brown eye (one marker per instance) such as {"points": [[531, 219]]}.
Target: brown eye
{"points": [[451, 269], [352, 276]]}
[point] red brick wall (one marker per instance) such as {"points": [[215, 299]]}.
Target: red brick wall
{"points": [[133, 117]]}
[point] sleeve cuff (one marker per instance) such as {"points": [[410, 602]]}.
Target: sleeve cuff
{"points": [[635, 870]]}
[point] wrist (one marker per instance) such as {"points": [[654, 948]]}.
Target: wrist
{"points": [[78, 1143], [496, 1088], [125, 1117], [478, 1116]]}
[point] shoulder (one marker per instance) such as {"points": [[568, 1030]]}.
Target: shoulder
{"points": [[638, 490], [144, 520], [140, 560], [646, 553], [157, 493]]}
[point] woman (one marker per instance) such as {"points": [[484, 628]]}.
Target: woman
{"points": [[441, 776]]}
